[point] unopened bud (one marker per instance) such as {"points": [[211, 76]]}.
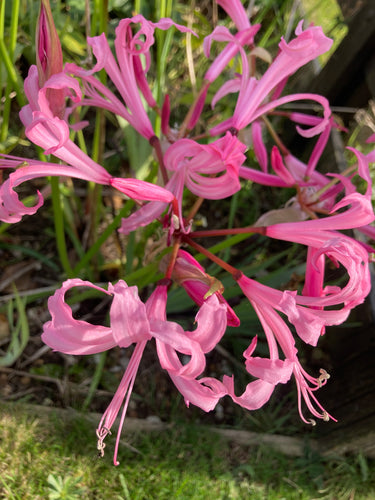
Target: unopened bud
{"points": [[49, 59]]}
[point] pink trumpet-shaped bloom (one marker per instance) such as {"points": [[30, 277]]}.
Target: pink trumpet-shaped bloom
{"points": [[51, 133], [245, 36], [82, 167], [323, 241], [293, 171], [313, 192], [314, 196], [306, 312], [127, 73], [133, 322], [339, 249], [273, 371], [210, 170], [207, 170], [308, 45]]}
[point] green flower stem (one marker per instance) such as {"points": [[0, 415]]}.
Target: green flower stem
{"points": [[99, 25], [12, 47], [130, 247], [59, 227], [95, 380], [138, 6], [12, 74], [94, 193], [164, 39], [99, 19]]}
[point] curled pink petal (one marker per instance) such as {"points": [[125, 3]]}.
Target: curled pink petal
{"points": [[204, 393], [71, 336], [256, 394], [222, 157]]}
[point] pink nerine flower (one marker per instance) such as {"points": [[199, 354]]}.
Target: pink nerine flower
{"points": [[210, 170], [127, 74], [132, 321], [297, 172], [274, 370], [51, 133], [207, 170], [307, 312], [81, 167], [250, 105]]}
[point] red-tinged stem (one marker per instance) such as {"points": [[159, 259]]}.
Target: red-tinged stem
{"points": [[275, 137], [155, 143], [204, 135], [194, 209], [228, 232], [172, 261], [232, 270]]}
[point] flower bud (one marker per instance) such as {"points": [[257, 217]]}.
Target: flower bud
{"points": [[199, 285], [49, 59]]}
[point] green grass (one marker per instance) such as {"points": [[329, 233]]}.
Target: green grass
{"points": [[45, 456]]}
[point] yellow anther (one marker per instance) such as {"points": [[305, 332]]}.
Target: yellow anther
{"points": [[215, 286]]}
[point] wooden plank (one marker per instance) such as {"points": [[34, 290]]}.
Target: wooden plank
{"points": [[349, 8], [343, 79]]}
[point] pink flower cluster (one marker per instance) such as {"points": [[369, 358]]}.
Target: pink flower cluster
{"points": [[212, 169]]}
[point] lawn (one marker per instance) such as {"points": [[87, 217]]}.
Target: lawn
{"points": [[47, 454]]}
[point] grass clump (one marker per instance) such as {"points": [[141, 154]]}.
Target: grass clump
{"points": [[45, 456]]}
